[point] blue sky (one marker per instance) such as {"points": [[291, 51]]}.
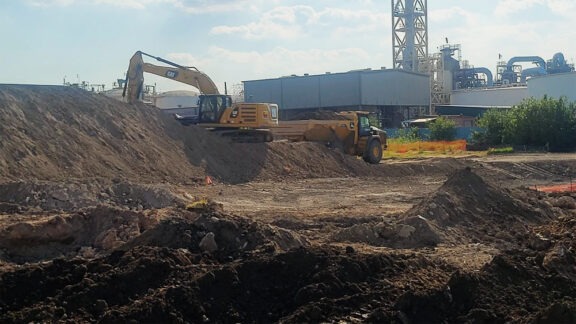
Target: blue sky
{"points": [[45, 41]]}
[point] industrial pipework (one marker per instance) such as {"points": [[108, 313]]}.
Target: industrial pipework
{"points": [[468, 78], [536, 71], [558, 64], [512, 76]]}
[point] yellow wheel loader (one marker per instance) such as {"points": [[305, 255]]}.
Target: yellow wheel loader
{"points": [[351, 132]]}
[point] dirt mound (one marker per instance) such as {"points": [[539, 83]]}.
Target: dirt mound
{"points": [[555, 240], [87, 233], [225, 237], [511, 288], [96, 231], [468, 209], [465, 209], [156, 284], [33, 196], [56, 133], [531, 283]]}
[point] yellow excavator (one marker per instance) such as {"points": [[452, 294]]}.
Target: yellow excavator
{"points": [[243, 122]]}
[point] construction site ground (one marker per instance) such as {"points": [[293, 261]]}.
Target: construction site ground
{"points": [[116, 213]]}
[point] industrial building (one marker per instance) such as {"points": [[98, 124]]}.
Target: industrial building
{"points": [[394, 95], [419, 84], [553, 85]]}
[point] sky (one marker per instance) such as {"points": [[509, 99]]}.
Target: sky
{"points": [[57, 41]]}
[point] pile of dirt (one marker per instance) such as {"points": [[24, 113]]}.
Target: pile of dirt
{"points": [[465, 209], [35, 196], [512, 288], [96, 231], [160, 284], [88, 232], [57, 132]]}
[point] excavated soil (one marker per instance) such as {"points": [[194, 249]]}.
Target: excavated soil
{"points": [[106, 216]]}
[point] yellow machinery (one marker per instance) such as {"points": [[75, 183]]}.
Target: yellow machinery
{"points": [[352, 133], [246, 122]]}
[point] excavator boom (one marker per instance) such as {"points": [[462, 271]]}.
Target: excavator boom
{"points": [[188, 75]]}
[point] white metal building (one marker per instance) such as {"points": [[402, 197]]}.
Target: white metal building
{"points": [[177, 102], [395, 95], [489, 97], [553, 85]]}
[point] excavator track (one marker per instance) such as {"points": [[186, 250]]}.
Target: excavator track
{"points": [[245, 135]]}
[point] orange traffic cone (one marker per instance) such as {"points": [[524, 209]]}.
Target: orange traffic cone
{"points": [[208, 180]]}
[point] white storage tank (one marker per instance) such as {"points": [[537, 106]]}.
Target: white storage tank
{"points": [[178, 102]]}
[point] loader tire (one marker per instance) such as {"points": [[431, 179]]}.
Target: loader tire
{"points": [[373, 153]]}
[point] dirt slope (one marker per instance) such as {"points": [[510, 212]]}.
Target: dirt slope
{"points": [[56, 132]]}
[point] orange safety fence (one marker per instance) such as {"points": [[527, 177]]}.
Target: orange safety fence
{"points": [[420, 146], [565, 187]]}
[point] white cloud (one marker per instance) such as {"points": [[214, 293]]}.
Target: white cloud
{"points": [[134, 4], [562, 7], [185, 6], [278, 23], [449, 15], [506, 7], [223, 6], [293, 22], [186, 59], [48, 3], [313, 61]]}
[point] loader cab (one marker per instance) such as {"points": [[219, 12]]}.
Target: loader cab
{"points": [[211, 107], [364, 128]]}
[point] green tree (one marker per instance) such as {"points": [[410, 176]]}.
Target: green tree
{"points": [[534, 122], [496, 127], [544, 122], [442, 129]]}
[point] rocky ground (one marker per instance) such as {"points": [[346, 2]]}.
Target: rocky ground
{"points": [[105, 216]]}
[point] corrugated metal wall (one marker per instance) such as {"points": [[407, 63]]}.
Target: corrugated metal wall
{"points": [[351, 89], [395, 88]]}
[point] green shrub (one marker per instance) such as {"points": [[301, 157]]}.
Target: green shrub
{"points": [[545, 122], [407, 135], [442, 129], [496, 127]]}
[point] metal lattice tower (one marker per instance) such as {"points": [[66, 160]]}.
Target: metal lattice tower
{"points": [[409, 33]]}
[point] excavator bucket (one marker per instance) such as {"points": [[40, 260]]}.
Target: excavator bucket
{"points": [[134, 79]]}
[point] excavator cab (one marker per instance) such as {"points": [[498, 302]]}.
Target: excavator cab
{"points": [[211, 107]]}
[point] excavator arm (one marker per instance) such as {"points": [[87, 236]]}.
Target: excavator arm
{"points": [[188, 75]]}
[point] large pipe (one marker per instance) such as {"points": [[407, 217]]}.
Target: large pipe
{"points": [[558, 64], [487, 73], [534, 59], [478, 70], [558, 60], [532, 72], [510, 76]]}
